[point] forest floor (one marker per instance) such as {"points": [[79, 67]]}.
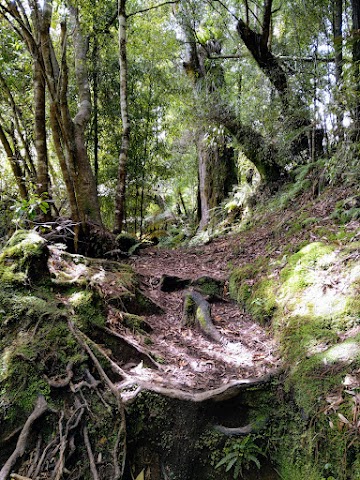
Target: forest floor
{"points": [[193, 362]]}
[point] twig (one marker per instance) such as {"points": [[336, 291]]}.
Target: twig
{"points": [[19, 477], [144, 10]]}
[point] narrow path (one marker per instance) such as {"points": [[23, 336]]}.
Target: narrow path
{"points": [[192, 361]]}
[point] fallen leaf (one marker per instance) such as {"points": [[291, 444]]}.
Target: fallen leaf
{"points": [[343, 419]]}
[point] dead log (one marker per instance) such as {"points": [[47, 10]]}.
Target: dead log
{"points": [[197, 311]]}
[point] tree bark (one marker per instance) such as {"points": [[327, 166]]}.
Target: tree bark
{"points": [[87, 193], [338, 47], [68, 133], [294, 109], [217, 175], [125, 143], [355, 5], [42, 177], [14, 164]]}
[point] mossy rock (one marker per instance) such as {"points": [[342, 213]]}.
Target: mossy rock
{"points": [[136, 323], [254, 290], [208, 286], [125, 241], [24, 258]]}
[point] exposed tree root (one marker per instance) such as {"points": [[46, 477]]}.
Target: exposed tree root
{"points": [[93, 468], [121, 439], [220, 394], [62, 382], [40, 408], [229, 432], [136, 346], [198, 311]]}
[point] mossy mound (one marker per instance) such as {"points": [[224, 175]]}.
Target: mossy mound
{"points": [[24, 258], [310, 299], [52, 328]]}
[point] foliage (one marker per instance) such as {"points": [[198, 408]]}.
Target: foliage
{"points": [[25, 211], [240, 454]]}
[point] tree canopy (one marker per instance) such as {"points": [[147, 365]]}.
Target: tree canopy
{"points": [[114, 113]]}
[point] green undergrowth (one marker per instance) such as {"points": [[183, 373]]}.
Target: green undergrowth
{"points": [[309, 297]]}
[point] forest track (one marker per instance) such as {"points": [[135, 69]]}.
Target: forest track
{"points": [[189, 359]]}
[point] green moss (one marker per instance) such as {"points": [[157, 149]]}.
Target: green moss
{"points": [[126, 241], [208, 286], [254, 290], [135, 323], [88, 309], [23, 258], [200, 317]]}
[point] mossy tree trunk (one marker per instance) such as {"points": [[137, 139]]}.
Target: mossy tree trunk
{"points": [[125, 141], [217, 175], [355, 5]]}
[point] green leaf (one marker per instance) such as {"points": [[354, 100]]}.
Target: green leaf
{"points": [[231, 464], [238, 470], [255, 460], [141, 475], [226, 459]]}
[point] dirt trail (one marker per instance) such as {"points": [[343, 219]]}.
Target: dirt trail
{"points": [[191, 361]]}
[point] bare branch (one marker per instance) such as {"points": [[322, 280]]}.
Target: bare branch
{"points": [[144, 10], [227, 9]]}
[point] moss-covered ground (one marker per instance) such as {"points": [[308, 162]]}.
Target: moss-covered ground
{"points": [[305, 286], [45, 326]]}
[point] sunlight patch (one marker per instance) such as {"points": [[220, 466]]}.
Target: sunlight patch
{"points": [[345, 352]]}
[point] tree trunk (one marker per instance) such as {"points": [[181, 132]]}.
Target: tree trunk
{"points": [[294, 109], [125, 143], [355, 4], [86, 187], [338, 47], [95, 62], [217, 175], [14, 164], [68, 133], [261, 153], [42, 172]]}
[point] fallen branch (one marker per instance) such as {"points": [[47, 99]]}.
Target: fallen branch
{"points": [[197, 310], [41, 407]]}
